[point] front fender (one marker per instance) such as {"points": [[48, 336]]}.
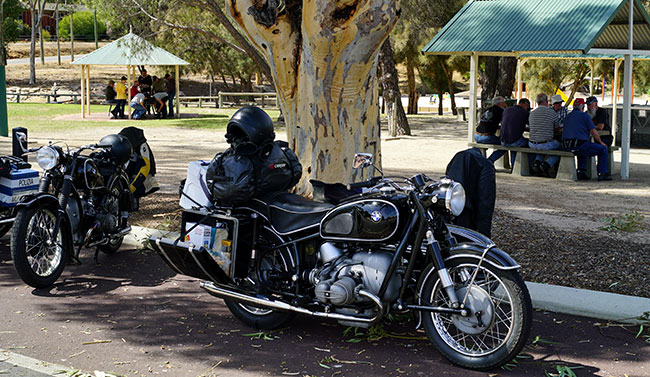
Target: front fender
{"points": [[495, 256], [50, 202]]}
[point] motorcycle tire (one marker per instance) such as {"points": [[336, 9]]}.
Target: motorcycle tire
{"points": [[269, 258], [114, 207], [5, 214], [39, 257], [500, 320]]}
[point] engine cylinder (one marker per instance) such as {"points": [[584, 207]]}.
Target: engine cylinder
{"points": [[328, 252]]}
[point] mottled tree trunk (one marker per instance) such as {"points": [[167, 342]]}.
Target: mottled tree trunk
{"points": [[498, 79], [413, 92], [397, 121], [323, 59], [32, 51]]}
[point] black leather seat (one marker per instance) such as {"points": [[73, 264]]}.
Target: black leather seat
{"points": [[290, 213]]}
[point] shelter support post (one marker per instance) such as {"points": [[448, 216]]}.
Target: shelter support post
{"points": [[178, 91], [83, 91], [4, 125], [627, 98], [88, 88], [592, 66], [129, 83], [617, 66]]}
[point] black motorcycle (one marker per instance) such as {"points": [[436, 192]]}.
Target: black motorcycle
{"points": [[82, 201], [390, 248]]}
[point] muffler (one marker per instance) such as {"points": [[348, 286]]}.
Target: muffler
{"points": [[227, 294]]}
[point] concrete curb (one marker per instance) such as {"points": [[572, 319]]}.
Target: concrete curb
{"points": [[554, 298]]}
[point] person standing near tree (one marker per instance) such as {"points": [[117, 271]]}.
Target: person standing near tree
{"points": [[171, 93]]}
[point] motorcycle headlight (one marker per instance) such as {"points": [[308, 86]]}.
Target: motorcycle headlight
{"points": [[455, 198], [47, 158]]}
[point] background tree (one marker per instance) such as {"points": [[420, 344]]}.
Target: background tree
{"points": [[83, 24], [433, 76], [396, 118], [36, 7], [10, 27]]}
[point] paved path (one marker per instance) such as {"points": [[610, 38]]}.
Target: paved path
{"points": [[132, 316], [48, 59]]}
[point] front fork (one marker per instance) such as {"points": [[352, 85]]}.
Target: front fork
{"points": [[434, 250]]}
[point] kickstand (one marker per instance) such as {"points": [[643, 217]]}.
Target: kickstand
{"points": [[96, 255], [75, 258]]}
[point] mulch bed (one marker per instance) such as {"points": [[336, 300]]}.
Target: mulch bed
{"points": [[597, 261]]}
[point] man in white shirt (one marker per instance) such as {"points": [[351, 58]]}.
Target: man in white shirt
{"points": [[137, 103]]}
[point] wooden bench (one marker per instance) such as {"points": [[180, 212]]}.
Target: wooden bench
{"points": [[566, 170]]}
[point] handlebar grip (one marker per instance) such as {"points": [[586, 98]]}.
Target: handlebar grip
{"points": [[368, 183]]}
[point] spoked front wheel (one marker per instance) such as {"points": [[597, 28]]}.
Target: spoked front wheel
{"points": [[499, 321], [39, 255]]}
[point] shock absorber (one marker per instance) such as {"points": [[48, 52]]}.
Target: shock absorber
{"points": [[251, 262]]}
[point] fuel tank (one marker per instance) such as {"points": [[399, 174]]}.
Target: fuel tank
{"points": [[368, 220]]}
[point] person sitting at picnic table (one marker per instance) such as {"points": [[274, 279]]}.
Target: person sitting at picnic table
{"points": [[513, 125], [489, 124], [600, 119], [578, 126], [160, 94], [110, 96], [543, 123], [120, 89], [137, 103], [560, 111]]}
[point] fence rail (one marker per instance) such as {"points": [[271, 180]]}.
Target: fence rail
{"points": [[15, 97]]}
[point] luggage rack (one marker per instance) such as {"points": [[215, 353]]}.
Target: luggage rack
{"points": [[188, 259]]}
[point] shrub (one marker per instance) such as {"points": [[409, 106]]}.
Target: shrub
{"points": [[83, 26]]}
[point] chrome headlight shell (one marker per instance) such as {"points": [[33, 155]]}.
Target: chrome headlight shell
{"points": [[448, 196], [47, 158], [455, 198]]}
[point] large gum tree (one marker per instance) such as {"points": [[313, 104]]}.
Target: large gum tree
{"points": [[323, 60]]}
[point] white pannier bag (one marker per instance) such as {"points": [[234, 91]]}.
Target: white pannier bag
{"points": [[196, 193]]}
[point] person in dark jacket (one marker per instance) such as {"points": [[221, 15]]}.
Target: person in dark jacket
{"points": [[476, 174], [489, 124], [110, 96]]}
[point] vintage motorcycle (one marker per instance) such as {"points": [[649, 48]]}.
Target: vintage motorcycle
{"points": [[390, 248], [82, 201]]}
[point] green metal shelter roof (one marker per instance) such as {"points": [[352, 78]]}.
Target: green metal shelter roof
{"points": [[130, 50], [506, 27]]}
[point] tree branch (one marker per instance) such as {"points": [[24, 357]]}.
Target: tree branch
{"points": [[189, 28]]}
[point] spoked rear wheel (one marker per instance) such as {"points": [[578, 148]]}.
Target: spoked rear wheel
{"points": [[500, 315], [39, 255], [271, 262]]}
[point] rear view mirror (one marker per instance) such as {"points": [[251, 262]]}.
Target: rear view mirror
{"points": [[362, 160]]}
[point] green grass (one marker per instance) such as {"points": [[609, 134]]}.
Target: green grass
{"points": [[40, 117]]}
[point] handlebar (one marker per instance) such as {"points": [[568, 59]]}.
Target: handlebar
{"points": [[368, 183]]}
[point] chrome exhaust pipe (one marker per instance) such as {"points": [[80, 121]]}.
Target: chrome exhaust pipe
{"points": [[227, 294]]}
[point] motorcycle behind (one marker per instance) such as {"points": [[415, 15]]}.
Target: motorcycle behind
{"points": [[390, 248], [82, 201]]}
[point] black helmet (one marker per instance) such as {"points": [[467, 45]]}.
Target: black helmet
{"points": [[120, 147], [251, 124]]}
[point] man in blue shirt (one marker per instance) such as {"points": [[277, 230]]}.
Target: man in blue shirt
{"points": [[578, 126]]}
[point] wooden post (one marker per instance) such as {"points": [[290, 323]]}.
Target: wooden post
{"points": [[58, 40], [178, 91], [83, 90], [617, 65], [473, 87], [88, 88], [627, 99], [220, 100], [592, 64], [71, 38], [519, 86], [128, 91]]}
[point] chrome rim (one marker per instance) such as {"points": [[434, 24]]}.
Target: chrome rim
{"points": [[113, 207], [481, 334], [43, 249]]}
